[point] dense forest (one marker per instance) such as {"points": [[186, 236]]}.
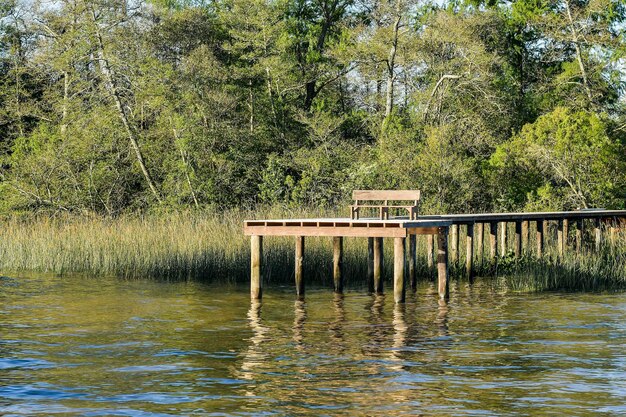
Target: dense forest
{"points": [[112, 106]]}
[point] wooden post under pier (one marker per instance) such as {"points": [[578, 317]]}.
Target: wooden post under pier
{"points": [[559, 238], [431, 250], [503, 235], [442, 263], [598, 233], [469, 253], [412, 261], [454, 244], [493, 240], [525, 234], [480, 236], [378, 265], [370, 264], [338, 263], [579, 235], [256, 258], [298, 264], [398, 269], [539, 238], [517, 247]]}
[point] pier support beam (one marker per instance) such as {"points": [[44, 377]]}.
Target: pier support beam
{"points": [[493, 240], [598, 232], [442, 263], [559, 238], [565, 233], [412, 261], [338, 264], [298, 264], [503, 233], [525, 234], [539, 238], [454, 244], [579, 235], [378, 265], [480, 245], [256, 257], [517, 247], [430, 250], [398, 269], [370, 264], [469, 253]]}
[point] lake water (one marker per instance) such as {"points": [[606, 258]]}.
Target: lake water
{"points": [[105, 347]]}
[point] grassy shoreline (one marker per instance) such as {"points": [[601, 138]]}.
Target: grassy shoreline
{"points": [[211, 247]]}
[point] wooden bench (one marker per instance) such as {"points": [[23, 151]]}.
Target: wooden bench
{"points": [[385, 196]]}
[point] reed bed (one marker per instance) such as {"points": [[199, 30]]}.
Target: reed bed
{"points": [[211, 247]]}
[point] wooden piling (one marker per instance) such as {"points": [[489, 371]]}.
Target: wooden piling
{"points": [[539, 238], [598, 233], [442, 263], [525, 234], [480, 248], [469, 253], [454, 244], [579, 235], [298, 265], [412, 261], [378, 265], [503, 234], [559, 238], [517, 247], [398, 269], [565, 233], [256, 259], [493, 240], [338, 263], [370, 264], [430, 250]]}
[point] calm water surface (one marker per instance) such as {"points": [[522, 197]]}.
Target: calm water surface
{"points": [[104, 347]]}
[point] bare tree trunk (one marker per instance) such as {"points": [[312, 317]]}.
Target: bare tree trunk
{"points": [[112, 87], [391, 64], [66, 87], [186, 165], [579, 57]]}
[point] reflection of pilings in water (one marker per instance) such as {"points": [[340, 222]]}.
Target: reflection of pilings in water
{"points": [[298, 323], [376, 320], [254, 355], [336, 327], [442, 318], [400, 329]]}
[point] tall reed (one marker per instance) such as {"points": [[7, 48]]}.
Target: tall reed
{"points": [[212, 247]]}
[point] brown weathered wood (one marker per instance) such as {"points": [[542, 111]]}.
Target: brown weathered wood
{"points": [[421, 230], [598, 234], [539, 238], [525, 234], [398, 269], [256, 260], [469, 253], [454, 243], [579, 235], [565, 233], [430, 250], [397, 195], [503, 236], [442, 263], [298, 267], [326, 231], [559, 238], [412, 261], [370, 264], [493, 240], [480, 244], [517, 246], [378, 265], [338, 264]]}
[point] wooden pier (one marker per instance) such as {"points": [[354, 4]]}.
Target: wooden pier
{"points": [[445, 228]]}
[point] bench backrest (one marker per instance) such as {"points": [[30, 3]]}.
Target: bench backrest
{"points": [[396, 195]]}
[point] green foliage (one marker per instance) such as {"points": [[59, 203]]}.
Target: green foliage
{"points": [[168, 105]]}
